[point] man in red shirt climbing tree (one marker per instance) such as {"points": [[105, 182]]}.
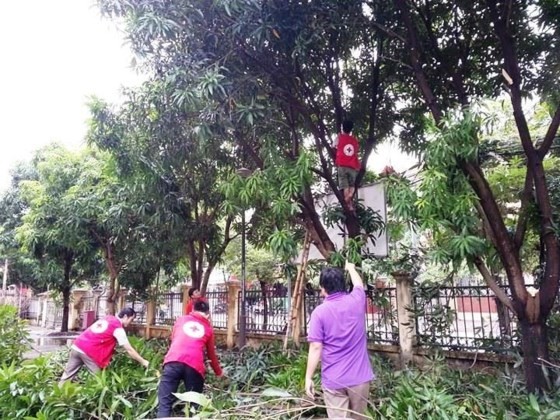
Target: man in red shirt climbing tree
{"points": [[347, 162], [192, 335]]}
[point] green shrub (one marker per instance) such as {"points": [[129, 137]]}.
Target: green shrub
{"points": [[14, 339], [264, 383], [123, 391]]}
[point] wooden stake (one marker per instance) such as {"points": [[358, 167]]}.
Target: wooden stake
{"points": [[294, 310]]}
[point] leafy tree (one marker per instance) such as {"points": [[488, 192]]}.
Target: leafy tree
{"points": [[454, 53], [119, 221], [173, 171], [64, 248], [276, 77], [273, 80], [21, 269]]}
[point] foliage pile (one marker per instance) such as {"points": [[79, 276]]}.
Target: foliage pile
{"points": [[263, 383], [29, 390]]}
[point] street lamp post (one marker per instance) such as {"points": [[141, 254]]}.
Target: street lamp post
{"points": [[243, 320], [242, 339]]}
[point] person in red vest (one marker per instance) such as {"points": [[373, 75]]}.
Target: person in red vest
{"points": [[194, 296], [192, 335], [94, 347], [347, 162]]}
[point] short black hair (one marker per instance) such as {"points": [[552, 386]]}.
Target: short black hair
{"points": [[332, 280], [129, 312], [192, 290], [347, 126], [201, 306]]}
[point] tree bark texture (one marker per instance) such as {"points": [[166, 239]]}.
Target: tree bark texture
{"points": [[534, 344], [66, 294], [531, 311]]}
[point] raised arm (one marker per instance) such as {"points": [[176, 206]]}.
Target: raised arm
{"points": [[354, 276]]}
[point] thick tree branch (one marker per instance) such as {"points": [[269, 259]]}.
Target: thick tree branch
{"points": [[374, 92], [550, 134], [456, 77], [526, 198], [505, 247], [415, 53], [486, 225], [489, 278], [549, 286], [389, 32]]}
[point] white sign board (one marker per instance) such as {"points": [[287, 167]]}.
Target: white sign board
{"points": [[371, 196]]}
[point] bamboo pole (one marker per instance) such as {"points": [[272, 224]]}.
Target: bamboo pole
{"points": [[296, 299]]}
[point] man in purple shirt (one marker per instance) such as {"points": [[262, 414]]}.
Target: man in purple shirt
{"points": [[337, 337]]}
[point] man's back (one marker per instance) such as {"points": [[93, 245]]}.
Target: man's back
{"points": [[339, 324]]}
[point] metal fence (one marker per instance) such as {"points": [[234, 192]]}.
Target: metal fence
{"points": [[31, 310], [382, 322], [139, 307], [218, 301], [463, 318], [265, 315], [311, 299], [446, 317], [53, 315], [169, 307]]}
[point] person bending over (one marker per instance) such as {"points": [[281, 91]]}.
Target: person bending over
{"points": [[192, 335], [94, 348]]}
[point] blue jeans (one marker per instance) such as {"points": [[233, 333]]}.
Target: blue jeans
{"points": [[173, 374]]}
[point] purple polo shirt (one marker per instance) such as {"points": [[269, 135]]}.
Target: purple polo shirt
{"points": [[340, 324]]}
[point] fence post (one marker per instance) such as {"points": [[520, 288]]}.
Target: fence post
{"points": [[75, 308], [232, 311], [407, 332], [121, 300], [150, 314], [45, 309]]}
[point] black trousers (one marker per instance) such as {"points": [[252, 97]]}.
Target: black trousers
{"points": [[173, 374]]}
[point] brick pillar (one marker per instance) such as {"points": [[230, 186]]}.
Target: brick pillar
{"points": [[232, 311], [150, 314], [407, 329], [75, 309], [121, 300], [44, 308]]}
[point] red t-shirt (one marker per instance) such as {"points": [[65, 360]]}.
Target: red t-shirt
{"points": [[192, 335], [347, 152]]}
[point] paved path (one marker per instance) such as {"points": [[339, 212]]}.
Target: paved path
{"points": [[45, 340]]}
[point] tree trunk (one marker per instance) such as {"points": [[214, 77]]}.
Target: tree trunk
{"points": [[113, 273], [66, 289], [534, 344], [352, 224], [65, 308], [193, 265]]}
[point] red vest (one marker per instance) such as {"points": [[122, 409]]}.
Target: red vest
{"points": [[347, 152], [98, 341], [193, 335]]}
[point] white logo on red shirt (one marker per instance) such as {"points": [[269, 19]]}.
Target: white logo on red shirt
{"points": [[193, 329], [100, 326], [348, 150]]}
